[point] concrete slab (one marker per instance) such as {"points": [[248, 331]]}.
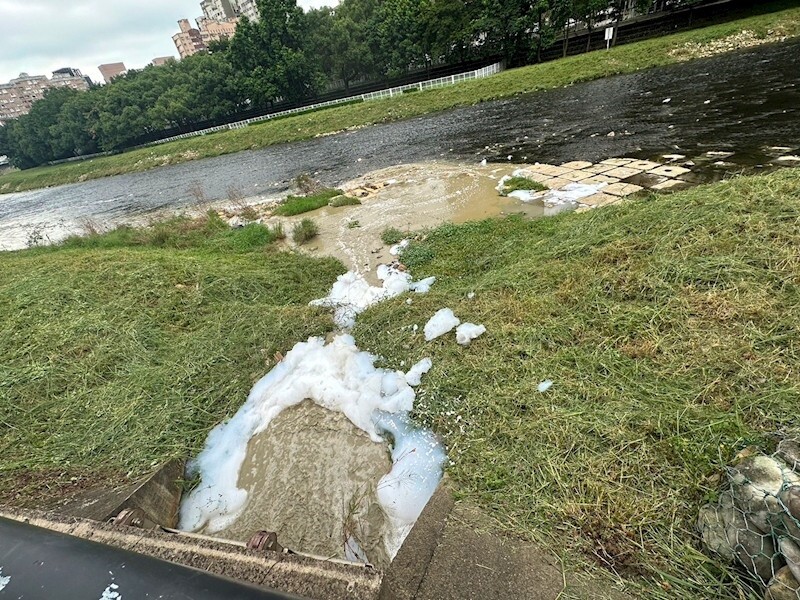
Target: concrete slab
{"points": [[621, 189], [622, 172], [669, 171], [598, 200], [551, 170], [617, 162], [670, 184], [447, 557], [599, 179], [556, 183], [599, 168], [577, 164], [158, 495], [574, 175], [644, 165]]}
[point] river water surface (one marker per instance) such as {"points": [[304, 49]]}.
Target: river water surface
{"points": [[745, 103]]}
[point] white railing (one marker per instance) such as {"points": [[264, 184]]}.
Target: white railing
{"points": [[387, 93]]}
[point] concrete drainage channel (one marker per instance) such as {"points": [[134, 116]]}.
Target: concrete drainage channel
{"points": [[125, 542]]}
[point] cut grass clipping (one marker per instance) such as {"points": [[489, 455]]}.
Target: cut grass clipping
{"points": [[668, 324], [778, 16], [304, 231], [296, 205], [522, 183]]}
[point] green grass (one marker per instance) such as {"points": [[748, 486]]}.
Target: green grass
{"points": [[296, 205], [392, 235], [622, 59], [123, 350], [669, 325], [522, 183], [304, 231], [670, 328], [344, 201]]}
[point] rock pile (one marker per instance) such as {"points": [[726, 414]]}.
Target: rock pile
{"points": [[756, 522], [737, 41]]}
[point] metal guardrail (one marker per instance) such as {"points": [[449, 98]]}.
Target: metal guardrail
{"points": [[380, 94]]}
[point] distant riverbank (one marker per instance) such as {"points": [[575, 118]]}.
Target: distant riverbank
{"points": [[623, 59]]}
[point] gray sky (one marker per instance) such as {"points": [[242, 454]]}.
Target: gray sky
{"points": [[39, 36]]}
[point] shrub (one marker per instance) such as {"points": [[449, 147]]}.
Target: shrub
{"points": [[278, 231], [295, 205]]}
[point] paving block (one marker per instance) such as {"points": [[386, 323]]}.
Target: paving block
{"points": [[599, 199], [552, 170], [599, 168], [595, 179], [574, 175], [621, 189], [623, 172], [644, 165], [669, 171], [617, 162], [669, 184], [577, 164], [556, 183]]}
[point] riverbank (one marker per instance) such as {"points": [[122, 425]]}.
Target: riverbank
{"points": [[624, 59], [666, 324]]}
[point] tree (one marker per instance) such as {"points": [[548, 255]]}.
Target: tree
{"points": [[268, 55]]}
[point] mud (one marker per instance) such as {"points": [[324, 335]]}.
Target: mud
{"points": [[311, 478]]}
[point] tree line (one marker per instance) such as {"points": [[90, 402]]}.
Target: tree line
{"points": [[289, 55]]}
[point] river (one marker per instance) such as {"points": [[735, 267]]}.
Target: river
{"points": [[745, 103]]}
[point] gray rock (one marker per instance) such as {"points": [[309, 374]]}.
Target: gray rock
{"points": [[789, 452], [783, 586], [712, 524], [756, 483], [791, 553]]}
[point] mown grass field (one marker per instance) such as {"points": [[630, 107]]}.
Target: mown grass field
{"points": [[670, 328], [669, 325], [622, 59]]}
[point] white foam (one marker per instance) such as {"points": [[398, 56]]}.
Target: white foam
{"points": [[340, 377], [545, 385], [351, 294], [4, 581], [415, 373], [442, 322], [467, 332], [397, 249]]}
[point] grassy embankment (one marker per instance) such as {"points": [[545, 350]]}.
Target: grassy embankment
{"points": [[623, 59], [669, 325]]}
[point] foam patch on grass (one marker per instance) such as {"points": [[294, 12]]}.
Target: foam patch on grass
{"points": [[351, 294]]}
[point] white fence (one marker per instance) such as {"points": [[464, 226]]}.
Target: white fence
{"points": [[388, 93]]}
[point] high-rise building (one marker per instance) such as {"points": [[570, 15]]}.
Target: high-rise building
{"points": [[111, 70], [162, 60], [18, 95], [213, 31], [246, 8], [188, 41], [218, 10]]}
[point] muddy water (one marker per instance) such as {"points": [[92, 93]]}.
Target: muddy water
{"points": [[746, 103], [311, 478]]}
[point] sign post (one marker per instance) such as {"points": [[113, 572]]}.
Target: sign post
{"points": [[609, 36]]}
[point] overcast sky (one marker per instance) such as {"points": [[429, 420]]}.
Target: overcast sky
{"points": [[39, 36]]}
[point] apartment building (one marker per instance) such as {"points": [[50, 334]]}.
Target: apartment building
{"points": [[218, 10], [188, 41], [247, 8], [111, 70], [18, 95], [213, 31]]}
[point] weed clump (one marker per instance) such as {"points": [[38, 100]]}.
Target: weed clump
{"points": [[296, 205], [391, 235], [522, 183], [305, 230], [344, 201]]}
